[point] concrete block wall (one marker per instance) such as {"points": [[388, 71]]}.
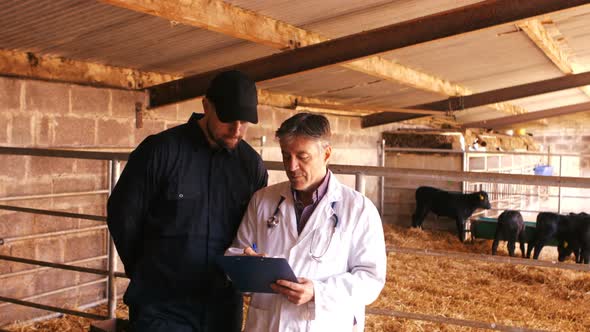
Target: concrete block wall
{"points": [[351, 144], [568, 134], [563, 143], [400, 199], [56, 115]]}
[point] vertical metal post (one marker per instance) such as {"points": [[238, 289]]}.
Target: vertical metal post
{"points": [[464, 168], [360, 183], [559, 188], [382, 179], [114, 166], [262, 143]]}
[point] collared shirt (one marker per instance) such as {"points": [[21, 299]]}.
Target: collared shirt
{"points": [[303, 212], [177, 205]]}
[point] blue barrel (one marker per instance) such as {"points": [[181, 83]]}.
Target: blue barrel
{"points": [[544, 170]]}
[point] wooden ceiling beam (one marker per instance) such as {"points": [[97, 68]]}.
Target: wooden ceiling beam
{"points": [[337, 51], [26, 65], [33, 66], [509, 93], [537, 33], [289, 101], [225, 18], [368, 109], [321, 105], [552, 49], [531, 116], [489, 97]]}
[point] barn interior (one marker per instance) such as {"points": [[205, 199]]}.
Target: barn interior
{"points": [[460, 95]]}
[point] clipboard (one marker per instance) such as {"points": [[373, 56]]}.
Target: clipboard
{"points": [[255, 274]]}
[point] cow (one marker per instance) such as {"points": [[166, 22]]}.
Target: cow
{"points": [[547, 227], [510, 228], [571, 231], [574, 236], [448, 204]]}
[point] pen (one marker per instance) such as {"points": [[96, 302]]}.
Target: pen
{"points": [[255, 247]]}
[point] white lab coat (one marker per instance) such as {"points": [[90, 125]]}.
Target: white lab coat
{"points": [[347, 277]]}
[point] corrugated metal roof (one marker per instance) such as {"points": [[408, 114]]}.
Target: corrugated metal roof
{"points": [[531, 104], [381, 14], [90, 31], [303, 12], [336, 18], [552, 100], [483, 60], [574, 26], [350, 87]]}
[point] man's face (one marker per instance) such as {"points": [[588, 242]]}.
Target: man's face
{"points": [[305, 162], [225, 134]]}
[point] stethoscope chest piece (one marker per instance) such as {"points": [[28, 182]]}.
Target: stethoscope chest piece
{"points": [[273, 221]]}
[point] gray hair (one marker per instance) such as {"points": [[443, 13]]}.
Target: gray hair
{"points": [[309, 125]]}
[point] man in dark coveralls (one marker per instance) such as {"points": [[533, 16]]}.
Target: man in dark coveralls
{"points": [[178, 204]]}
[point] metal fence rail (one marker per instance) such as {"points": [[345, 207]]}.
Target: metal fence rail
{"points": [[52, 308], [53, 213], [61, 266], [39, 269], [360, 173], [448, 320], [488, 258]]}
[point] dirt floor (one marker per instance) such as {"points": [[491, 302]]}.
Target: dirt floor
{"points": [[531, 297]]}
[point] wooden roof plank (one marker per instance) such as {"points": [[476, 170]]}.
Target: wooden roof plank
{"points": [[30, 65], [537, 33]]}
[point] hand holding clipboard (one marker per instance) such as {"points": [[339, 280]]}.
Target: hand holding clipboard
{"points": [[254, 273]]}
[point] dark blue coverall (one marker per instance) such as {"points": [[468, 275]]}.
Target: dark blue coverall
{"points": [[176, 206]]}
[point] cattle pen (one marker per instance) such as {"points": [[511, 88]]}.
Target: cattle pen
{"points": [[529, 198], [396, 247], [487, 102]]}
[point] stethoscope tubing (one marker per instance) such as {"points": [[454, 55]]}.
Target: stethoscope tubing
{"points": [[273, 222]]}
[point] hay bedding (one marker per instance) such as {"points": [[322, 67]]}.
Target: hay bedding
{"points": [[69, 323], [540, 298], [513, 295]]}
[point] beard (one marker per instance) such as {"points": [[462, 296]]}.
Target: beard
{"points": [[228, 142]]}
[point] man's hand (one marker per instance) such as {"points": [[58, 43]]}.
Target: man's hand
{"points": [[298, 293], [250, 252]]}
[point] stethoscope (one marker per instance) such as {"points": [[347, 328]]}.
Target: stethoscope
{"points": [[311, 251], [273, 222]]}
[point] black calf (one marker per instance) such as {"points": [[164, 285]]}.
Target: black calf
{"points": [[448, 204], [546, 229], [574, 236], [510, 228]]}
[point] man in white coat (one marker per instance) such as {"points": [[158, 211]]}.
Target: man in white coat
{"points": [[331, 235]]}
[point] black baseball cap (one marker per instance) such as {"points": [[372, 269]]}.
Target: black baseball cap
{"points": [[234, 96]]}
